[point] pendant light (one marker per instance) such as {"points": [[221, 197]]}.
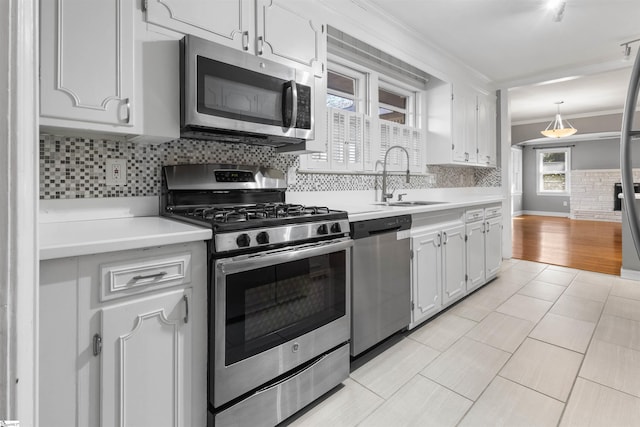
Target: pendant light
{"points": [[557, 128]]}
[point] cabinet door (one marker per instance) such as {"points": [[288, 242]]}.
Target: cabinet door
{"points": [[453, 263], [487, 130], [426, 274], [285, 35], [58, 311], [493, 246], [228, 22], [86, 60], [475, 254], [146, 361], [458, 135]]}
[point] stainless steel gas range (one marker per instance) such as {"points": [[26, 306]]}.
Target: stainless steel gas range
{"points": [[279, 276]]}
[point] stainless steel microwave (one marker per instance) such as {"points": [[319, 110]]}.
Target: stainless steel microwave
{"points": [[232, 96]]}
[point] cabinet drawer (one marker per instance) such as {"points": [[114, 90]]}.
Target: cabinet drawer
{"points": [[492, 212], [474, 215], [126, 278]]}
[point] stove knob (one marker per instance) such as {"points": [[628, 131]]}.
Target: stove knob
{"points": [[335, 228], [323, 229], [243, 240], [262, 238]]}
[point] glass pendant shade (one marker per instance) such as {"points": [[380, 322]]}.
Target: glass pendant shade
{"points": [[557, 127]]}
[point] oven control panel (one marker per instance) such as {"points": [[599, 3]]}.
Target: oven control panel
{"points": [[289, 234]]}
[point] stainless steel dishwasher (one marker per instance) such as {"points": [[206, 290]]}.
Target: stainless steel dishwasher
{"points": [[381, 280]]}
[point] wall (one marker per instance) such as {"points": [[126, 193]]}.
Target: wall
{"points": [[592, 194], [594, 155], [593, 188], [75, 168], [531, 201]]}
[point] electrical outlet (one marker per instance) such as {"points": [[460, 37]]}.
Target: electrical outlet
{"points": [[116, 172], [564, 203], [291, 176]]}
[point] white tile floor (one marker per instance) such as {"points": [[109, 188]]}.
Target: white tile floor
{"points": [[539, 346]]}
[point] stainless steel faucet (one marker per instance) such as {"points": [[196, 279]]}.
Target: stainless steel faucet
{"points": [[386, 195]]}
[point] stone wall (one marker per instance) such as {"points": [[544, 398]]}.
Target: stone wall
{"points": [[592, 194]]}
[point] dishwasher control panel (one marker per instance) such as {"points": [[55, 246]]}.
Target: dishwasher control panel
{"points": [[362, 229]]}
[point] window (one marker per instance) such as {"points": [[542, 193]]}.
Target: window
{"points": [[394, 104], [554, 171], [345, 88]]}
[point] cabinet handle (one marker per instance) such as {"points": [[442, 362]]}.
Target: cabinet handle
{"points": [[97, 345], [439, 239], [260, 45], [127, 118], [186, 308], [446, 238], [149, 276], [245, 40]]}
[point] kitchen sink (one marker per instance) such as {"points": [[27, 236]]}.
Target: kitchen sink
{"points": [[409, 203]]}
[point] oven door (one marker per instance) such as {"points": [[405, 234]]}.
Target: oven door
{"points": [[274, 311]]}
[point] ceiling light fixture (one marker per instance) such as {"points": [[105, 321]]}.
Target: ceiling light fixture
{"points": [[557, 7], [626, 49], [557, 128]]}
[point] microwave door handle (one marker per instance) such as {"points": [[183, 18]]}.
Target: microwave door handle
{"points": [[290, 88]]}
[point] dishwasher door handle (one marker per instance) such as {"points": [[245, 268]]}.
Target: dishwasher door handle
{"points": [[384, 231]]}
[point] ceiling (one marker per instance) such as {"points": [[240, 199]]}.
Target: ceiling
{"points": [[517, 44]]}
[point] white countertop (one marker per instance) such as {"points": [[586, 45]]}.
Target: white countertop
{"points": [[81, 235], [362, 212], [85, 237]]}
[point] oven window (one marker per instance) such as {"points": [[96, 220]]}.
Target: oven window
{"points": [[268, 306]]}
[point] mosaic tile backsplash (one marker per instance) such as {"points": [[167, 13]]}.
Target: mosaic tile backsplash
{"points": [[75, 168]]}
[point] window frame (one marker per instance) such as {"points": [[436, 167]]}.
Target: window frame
{"points": [[567, 171], [412, 94], [516, 171], [360, 78]]}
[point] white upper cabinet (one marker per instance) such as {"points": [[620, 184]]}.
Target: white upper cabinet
{"points": [[461, 126], [87, 63], [228, 22], [486, 133], [464, 144], [286, 36], [267, 28], [101, 71]]}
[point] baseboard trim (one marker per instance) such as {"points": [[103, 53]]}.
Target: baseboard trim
{"points": [[625, 273], [542, 213]]}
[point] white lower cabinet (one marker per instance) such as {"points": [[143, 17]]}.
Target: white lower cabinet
{"points": [[452, 253], [437, 268], [123, 338], [146, 361], [475, 254], [484, 245], [493, 246], [426, 275]]}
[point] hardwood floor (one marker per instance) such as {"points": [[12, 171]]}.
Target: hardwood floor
{"points": [[586, 245]]}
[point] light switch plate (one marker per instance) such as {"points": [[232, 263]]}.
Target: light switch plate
{"points": [[116, 170]]}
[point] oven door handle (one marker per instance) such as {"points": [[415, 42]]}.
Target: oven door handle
{"points": [[279, 256]]}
